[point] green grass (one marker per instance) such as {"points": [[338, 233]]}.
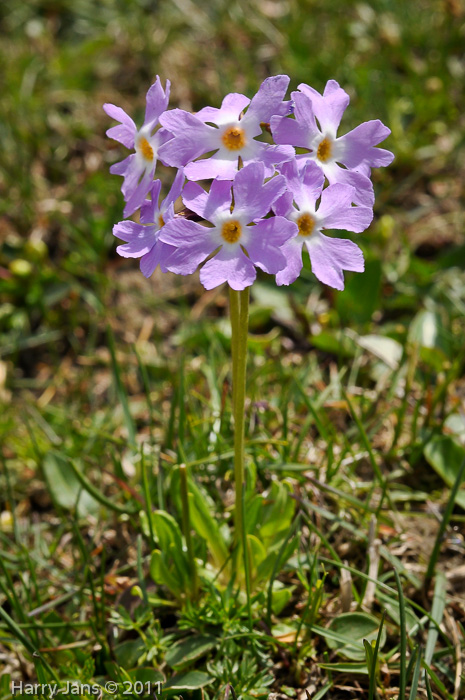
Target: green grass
{"points": [[355, 400]]}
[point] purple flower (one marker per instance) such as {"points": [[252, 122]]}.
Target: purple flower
{"points": [[329, 256], [355, 150], [238, 240], [231, 136], [138, 168], [143, 240]]}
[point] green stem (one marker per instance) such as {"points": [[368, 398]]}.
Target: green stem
{"points": [[234, 310], [187, 526], [239, 309]]}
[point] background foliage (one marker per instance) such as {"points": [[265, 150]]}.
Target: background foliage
{"points": [[356, 399]]}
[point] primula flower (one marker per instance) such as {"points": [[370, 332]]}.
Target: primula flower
{"points": [[239, 238], [329, 256], [355, 150], [231, 136], [142, 240], [138, 168]]}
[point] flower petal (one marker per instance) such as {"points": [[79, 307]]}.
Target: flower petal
{"points": [[283, 205], [184, 261], [130, 168], [364, 193], [267, 154], [192, 138], [305, 180], [290, 131], [159, 255], [192, 241], [253, 197], [292, 252], [149, 209], [358, 146], [122, 166], [119, 115], [268, 99], [336, 210], [329, 107], [136, 197], [330, 256], [175, 190], [231, 266], [139, 239], [220, 165], [208, 205], [195, 198], [230, 109], [183, 232], [157, 101], [122, 133], [219, 199], [265, 241]]}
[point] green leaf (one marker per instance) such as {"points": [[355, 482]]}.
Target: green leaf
{"points": [[273, 300], [335, 343], [168, 534], [386, 349], [64, 486], [280, 598], [257, 553], [346, 667], [193, 680], [437, 613], [360, 298], [128, 653], [190, 649], [392, 609], [278, 513], [355, 628], [5, 685], [446, 457], [146, 675], [427, 331], [205, 525], [201, 508], [161, 574]]}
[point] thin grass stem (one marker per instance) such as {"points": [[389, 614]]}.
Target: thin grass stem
{"points": [[403, 638], [186, 526], [444, 523]]}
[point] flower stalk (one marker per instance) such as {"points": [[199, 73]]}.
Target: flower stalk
{"points": [[239, 310]]}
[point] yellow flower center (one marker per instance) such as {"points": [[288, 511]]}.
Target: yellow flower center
{"points": [[145, 148], [306, 224], [231, 231], [160, 221], [233, 138], [324, 150]]}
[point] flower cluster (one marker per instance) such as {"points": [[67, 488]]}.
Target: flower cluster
{"points": [[265, 201]]}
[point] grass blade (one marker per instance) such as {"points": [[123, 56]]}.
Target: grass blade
{"points": [[120, 390], [403, 638], [416, 676], [444, 523], [437, 611], [374, 660]]}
